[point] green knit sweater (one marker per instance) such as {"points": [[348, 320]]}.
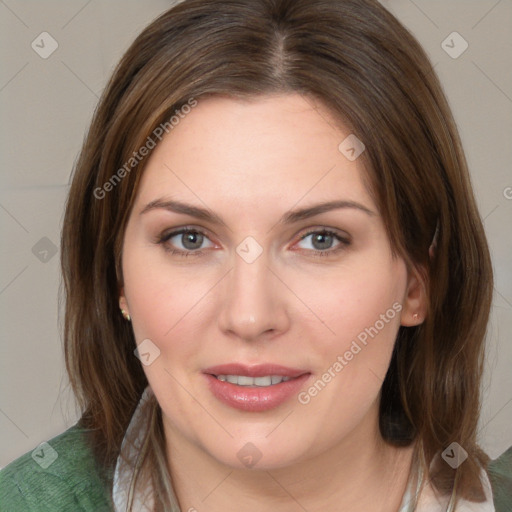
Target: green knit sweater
{"points": [[39, 482]]}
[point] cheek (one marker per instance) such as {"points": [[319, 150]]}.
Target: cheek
{"points": [[371, 300], [364, 312], [353, 304], [363, 309], [165, 301]]}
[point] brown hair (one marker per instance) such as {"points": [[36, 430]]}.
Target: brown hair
{"points": [[372, 74]]}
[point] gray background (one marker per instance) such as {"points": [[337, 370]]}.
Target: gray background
{"points": [[46, 106]]}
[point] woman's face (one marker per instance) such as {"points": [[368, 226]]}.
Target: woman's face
{"points": [[267, 283]]}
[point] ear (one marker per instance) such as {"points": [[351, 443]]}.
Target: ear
{"points": [[414, 308], [123, 304]]}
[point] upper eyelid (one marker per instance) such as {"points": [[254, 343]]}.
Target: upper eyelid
{"points": [[337, 232], [167, 235]]}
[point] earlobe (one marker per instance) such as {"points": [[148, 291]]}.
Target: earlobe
{"points": [[123, 305], [415, 301]]}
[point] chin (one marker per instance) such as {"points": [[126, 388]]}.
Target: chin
{"points": [[255, 453]]}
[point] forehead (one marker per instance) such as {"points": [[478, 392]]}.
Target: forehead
{"points": [[251, 152]]}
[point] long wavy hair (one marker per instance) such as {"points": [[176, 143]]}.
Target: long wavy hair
{"points": [[372, 74]]}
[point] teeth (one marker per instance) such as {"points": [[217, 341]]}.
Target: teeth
{"points": [[264, 381], [243, 380]]}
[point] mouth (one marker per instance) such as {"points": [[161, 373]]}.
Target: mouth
{"points": [[254, 388]]}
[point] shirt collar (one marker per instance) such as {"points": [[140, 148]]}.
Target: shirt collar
{"points": [[128, 462]]}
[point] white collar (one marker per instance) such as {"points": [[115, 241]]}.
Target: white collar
{"points": [[128, 462], [143, 498]]}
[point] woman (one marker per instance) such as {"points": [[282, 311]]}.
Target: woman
{"points": [[277, 280]]}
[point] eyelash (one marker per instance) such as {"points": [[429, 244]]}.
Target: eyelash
{"points": [[165, 237]]}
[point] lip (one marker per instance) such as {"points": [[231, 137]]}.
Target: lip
{"points": [[252, 398]]}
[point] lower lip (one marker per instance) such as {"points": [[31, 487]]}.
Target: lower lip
{"points": [[255, 399]]}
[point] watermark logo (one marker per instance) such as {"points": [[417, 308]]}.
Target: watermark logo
{"points": [[454, 455], [44, 45], [454, 45], [44, 250], [249, 455], [351, 147], [249, 250], [147, 352], [45, 455]]}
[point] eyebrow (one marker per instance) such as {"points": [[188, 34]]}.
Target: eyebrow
{"points": [[288, 218]]}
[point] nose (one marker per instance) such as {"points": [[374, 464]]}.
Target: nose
{"points": [[253, 301]]}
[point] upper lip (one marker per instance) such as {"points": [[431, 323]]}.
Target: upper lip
{"points": [[257, 370]]}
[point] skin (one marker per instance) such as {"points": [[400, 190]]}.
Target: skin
{"points": [[250, 162]]}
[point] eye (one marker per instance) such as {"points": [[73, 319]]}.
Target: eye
{"points": [[322, 241], [187, 240]]}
